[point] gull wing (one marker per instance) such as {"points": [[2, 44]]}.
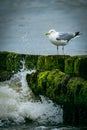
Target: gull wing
{"points": [[65, 36]]}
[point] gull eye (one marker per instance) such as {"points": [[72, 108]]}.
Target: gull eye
{"points": [[51, 31]]}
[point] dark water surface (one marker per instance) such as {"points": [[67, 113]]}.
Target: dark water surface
{"points": [[33, 126], [23, 24]]}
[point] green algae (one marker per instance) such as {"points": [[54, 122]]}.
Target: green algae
{"points": [[80, 67], [77, 91], [42, 82], [13, 62], [51, 62], [76, 66], [56, 62], [59, 86], [5, 75], [32, 82], [49, 83], [41, 63], [3, 58], [31, 61], [56, 86], [71, 92], [69, 65]]}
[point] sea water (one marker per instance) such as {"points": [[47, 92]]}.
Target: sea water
{"points": [[22, 28], [18, 104]]}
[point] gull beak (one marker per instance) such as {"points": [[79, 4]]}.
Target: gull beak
{"points": [[47, 33]]}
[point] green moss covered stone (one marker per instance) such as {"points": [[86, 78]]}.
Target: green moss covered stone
{"points": [[77, 91], [31, 61], [13, 62], [51, 62], [80, 67], [3, 58]]}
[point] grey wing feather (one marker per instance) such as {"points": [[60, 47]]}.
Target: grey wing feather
{"points": [[65, 36]]}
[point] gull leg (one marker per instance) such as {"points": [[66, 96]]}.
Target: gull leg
{"points": [[57, 49], [63, 49]]}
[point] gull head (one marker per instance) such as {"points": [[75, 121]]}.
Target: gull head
{"points": [[52, 31]]}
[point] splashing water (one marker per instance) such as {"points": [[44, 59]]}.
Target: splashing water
{"points": [[17, 103]]}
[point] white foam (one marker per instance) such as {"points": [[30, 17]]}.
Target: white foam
{"points": [[42, 112], [17, 103]]}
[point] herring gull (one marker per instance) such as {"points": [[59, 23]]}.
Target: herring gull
{"points": [[60, 39]]}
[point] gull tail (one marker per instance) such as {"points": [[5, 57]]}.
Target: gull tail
{"points": [[77, 34]]}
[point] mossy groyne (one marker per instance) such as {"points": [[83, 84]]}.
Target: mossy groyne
{"points": [[72, 65], [61, 78]]}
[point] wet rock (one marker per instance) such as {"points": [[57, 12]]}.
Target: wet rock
{"points": [[31, 61], [49, 83], [80, 67], [51, 62], [70, 92], [3, 58], [69, 65], [75, 114], [77, 91], [76, 66], [5, 75], [13, 62]]}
